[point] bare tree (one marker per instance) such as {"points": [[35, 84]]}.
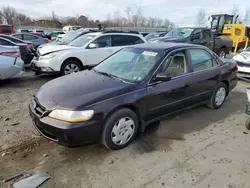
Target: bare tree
{"points": [[128, 12], [1, 17], [201, 18], [246, 19], [235, 10], [22, 18], [9, 14]]}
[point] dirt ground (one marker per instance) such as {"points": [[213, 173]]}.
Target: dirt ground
{"points": [[198, 148]]}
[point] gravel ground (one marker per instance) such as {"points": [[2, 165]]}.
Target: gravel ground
{"points": [[198, 148]]}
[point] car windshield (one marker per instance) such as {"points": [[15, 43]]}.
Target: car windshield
{"points": [[248, 49], [82, 40], [180, 32], [69, 37], [152, 35], [131, 64]]}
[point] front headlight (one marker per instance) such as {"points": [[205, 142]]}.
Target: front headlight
{"points": [[248, 94], [72, 116], [48, 56]]}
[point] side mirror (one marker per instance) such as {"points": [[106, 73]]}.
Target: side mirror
{"points": [[92, 45], [163, 76]]}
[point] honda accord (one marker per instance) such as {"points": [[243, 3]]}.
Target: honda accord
{"points": [[132, 88]]}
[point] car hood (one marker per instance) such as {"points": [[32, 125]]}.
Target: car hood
{"points": [[242, 57], [52, 48], [76, 91]]}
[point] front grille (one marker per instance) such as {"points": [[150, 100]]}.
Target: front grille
{"points": [[39, 109], [240, 64]]}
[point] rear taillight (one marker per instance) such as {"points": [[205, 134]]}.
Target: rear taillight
{"points": [[13, 54], [46, 41]]}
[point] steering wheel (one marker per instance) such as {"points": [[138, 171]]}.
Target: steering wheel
{"points": [[144, 71]]}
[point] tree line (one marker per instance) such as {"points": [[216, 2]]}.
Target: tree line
{"points": [[132, 17], [202, 17]]}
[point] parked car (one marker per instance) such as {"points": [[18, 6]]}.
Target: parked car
{"points": [[36, 40], [24, 48], [11, 65], [134, 87], [199, 35], [71, 28], [23, 31], [54, 34], [155, 35], [144, 33], [69, 37], [6, 29], [83, 52], [243, 61]]}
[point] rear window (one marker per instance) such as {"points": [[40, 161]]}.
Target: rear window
{"points": [[123, 40], [6, 29]]}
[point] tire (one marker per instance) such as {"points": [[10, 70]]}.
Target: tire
{"points": [[114, 141], [71, 65], [248, 123], [222, 53], [213, 104]]}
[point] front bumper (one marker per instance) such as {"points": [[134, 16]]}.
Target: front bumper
{"points": [[64, 133], [42, 66]]}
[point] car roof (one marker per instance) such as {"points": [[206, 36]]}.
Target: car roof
{"points": [[165, 46], [193, 28]]}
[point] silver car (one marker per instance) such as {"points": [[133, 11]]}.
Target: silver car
{"points": [[11, 64]]}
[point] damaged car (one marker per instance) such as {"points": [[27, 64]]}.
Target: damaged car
{"points": [[243, 61]]}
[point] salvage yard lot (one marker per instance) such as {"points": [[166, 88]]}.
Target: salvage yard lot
{"points": [[198, 148]]}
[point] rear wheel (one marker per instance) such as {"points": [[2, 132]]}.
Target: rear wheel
{"points": [[71, 66], [218, 97], [120, 129]]}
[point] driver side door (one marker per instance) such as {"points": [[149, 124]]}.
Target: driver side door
{"points": [[170, 96]]}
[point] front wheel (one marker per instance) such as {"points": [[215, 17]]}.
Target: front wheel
{"points": [[222, 53], [71, 66], [120, 129], [218, 97], [248, 123]]}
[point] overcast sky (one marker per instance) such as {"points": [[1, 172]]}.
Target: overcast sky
{"points": [[181, 12]]}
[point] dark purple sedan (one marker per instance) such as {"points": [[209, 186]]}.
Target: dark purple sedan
{"points": [[117, 99]]}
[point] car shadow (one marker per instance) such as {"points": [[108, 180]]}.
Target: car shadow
{"points": [[160, 135], [26, 81]]}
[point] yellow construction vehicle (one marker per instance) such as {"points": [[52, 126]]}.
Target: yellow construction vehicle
{"points": [[228, 26]]}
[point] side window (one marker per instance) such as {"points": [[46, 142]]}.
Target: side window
{"points": [[124, 40], [18, 36], [207, 34], [201, 59], [197, 34], [29, 37], [175, 64], [103, 42], [5, 43], [6, 29]]}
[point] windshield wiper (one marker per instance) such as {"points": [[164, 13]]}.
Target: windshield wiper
{"points": [[110, 75]]}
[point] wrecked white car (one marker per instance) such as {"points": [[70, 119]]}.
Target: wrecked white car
{"points": [[243, 62]]}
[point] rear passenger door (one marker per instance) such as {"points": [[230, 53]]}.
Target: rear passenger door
{"points": [[120, 41], [205, 74]]}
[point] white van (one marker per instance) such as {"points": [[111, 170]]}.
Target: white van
{"points": [[66, 29]]}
